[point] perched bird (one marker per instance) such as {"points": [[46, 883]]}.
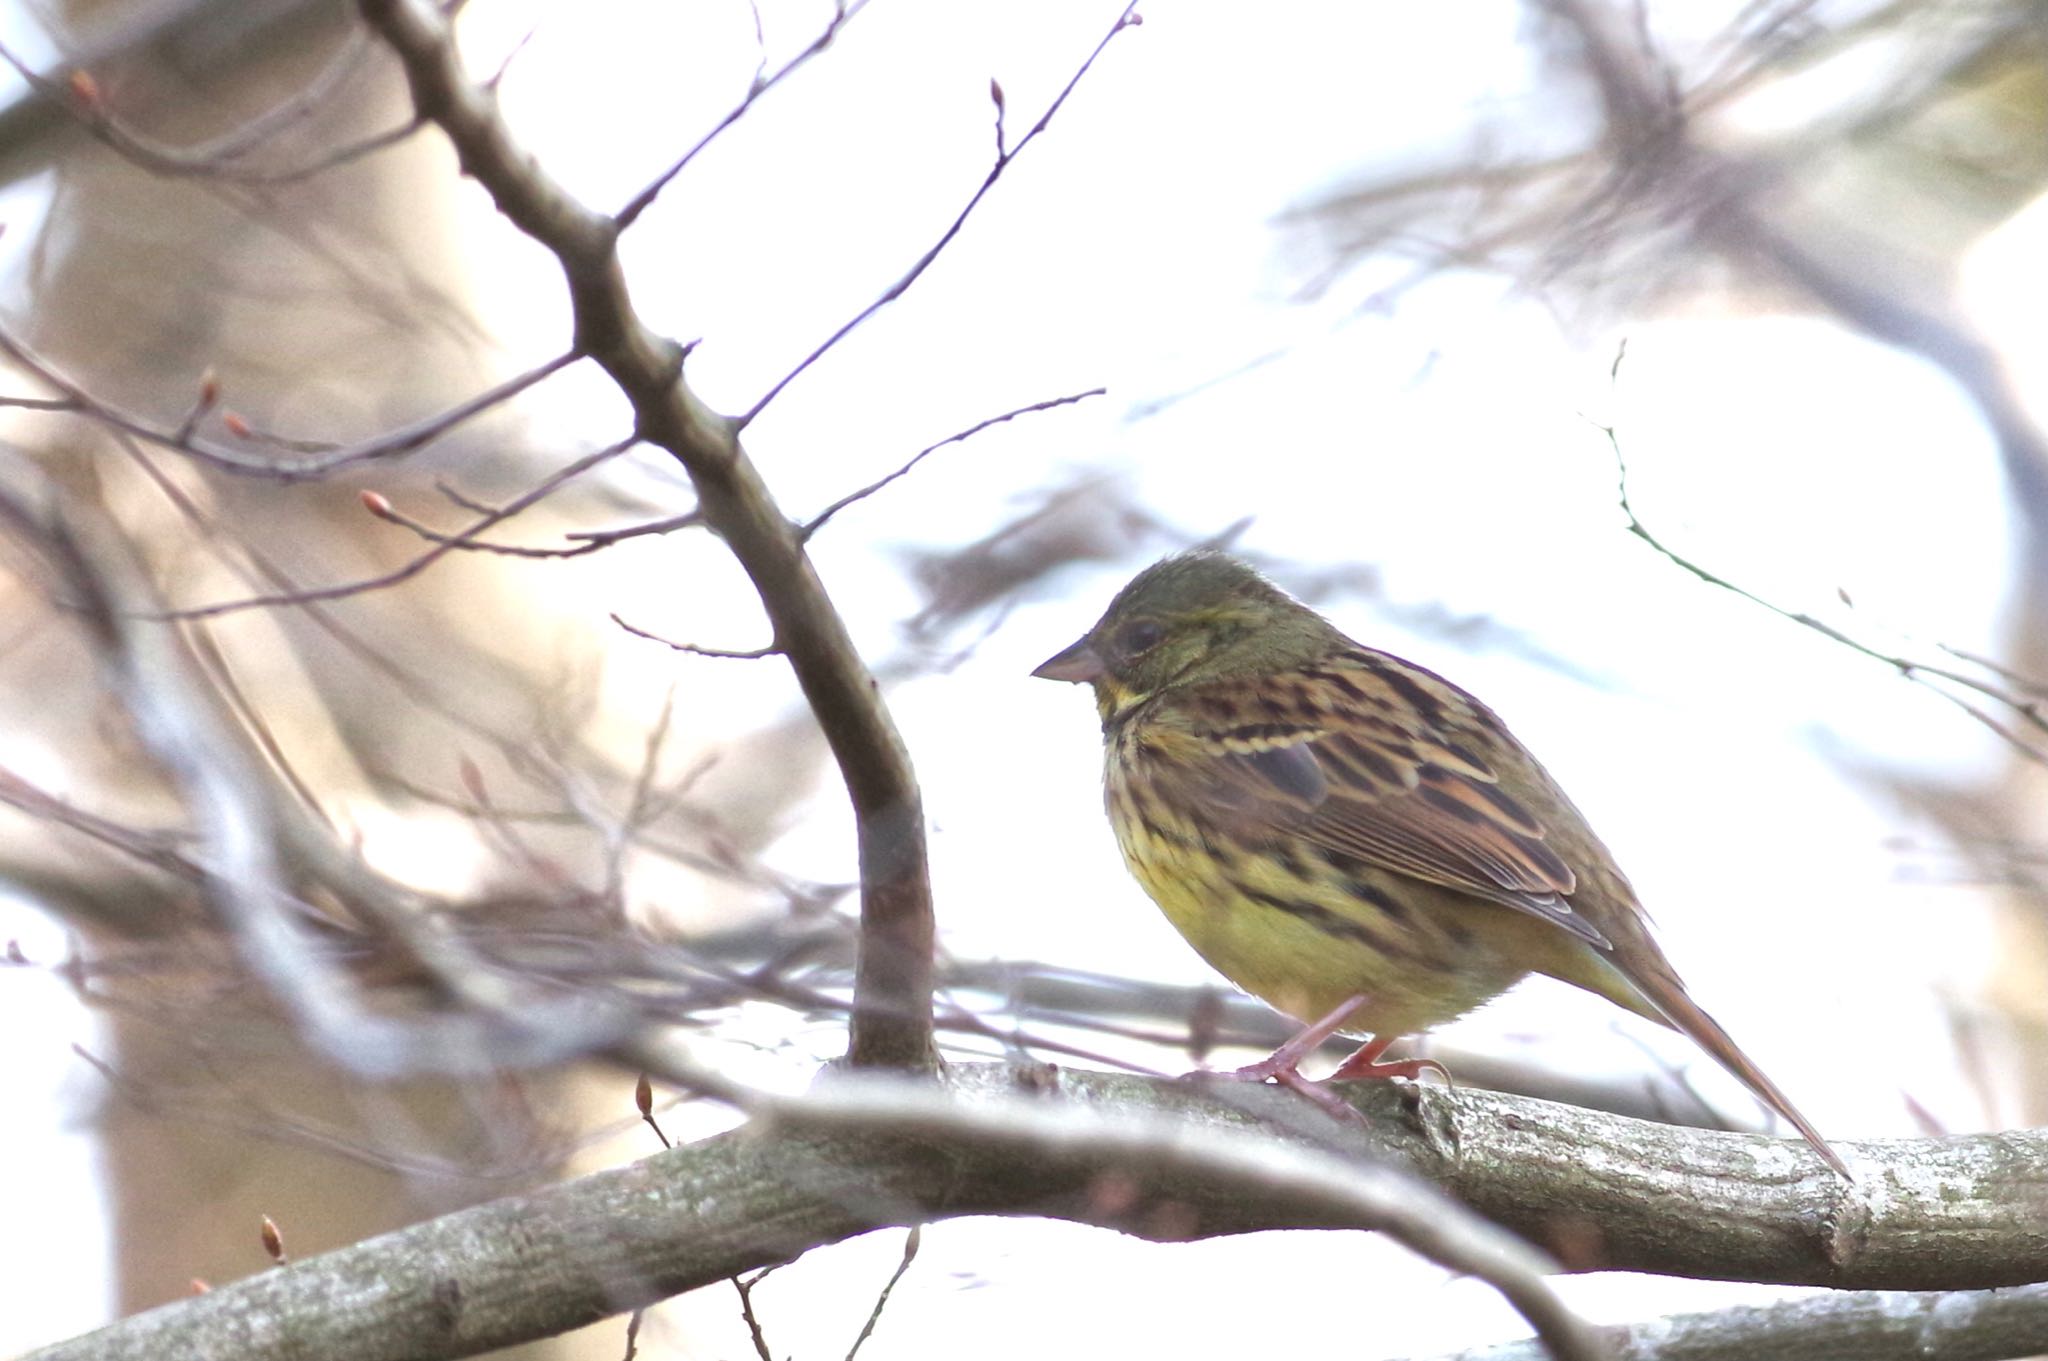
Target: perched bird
{"points": [[1350, 837]]}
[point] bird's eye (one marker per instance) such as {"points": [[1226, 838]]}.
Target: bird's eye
{"points": [[1138, 636]]}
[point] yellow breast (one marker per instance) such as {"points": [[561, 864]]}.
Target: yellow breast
{"points": [[1276, 918]]}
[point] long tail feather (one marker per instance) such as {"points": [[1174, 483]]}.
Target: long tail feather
{"points": [[1684, 1015]]}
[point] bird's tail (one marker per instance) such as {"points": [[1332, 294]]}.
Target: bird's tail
{"points": [[1677, 1009]]}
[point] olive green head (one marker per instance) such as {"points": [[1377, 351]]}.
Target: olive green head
{"points": [[1193, 618]]}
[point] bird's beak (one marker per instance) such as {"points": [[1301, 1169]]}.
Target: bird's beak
{"points": [[1078, 663]]}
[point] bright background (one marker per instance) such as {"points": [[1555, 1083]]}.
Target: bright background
{"points": [[1748, 773]]}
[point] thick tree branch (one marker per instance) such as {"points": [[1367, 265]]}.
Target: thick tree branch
{"points": [[1870, 1325], [892, 1006], [855, 1156], [1604, 1192]]}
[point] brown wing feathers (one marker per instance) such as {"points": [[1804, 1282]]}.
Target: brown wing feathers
{"points": [[1335, 767]]}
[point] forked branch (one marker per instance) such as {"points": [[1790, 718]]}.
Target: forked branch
{"points": [[892, 1022]]}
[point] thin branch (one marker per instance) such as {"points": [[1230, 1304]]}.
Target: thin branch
{"points": [[220, 158], [687, 520], [2028, 709], [760, 85], [457, 496], [161, 849], [641, 807], [745, 1288], [760, 44], [746, 655], [465, 541], [553, 483], [318, 458], [817, 522], [497, 77], [911, 1241], [2019, 679], [346, 154], [217, 536], [1005, 156]]}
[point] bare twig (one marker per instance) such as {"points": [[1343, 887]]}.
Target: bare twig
{"points": [[761, 45], [754, 654], [745, 1288], [687, 520], [1005, 156], [443, 545], [817, 522], [640, 808], [211, 532], [465, 541], [315, 459], [2018, 679], [2025, 706], [161, 849], [222, 158], [248, 1115], [910, 1245], [761, 85]]}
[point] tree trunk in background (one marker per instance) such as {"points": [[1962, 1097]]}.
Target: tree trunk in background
{"points": [[300, 299]]}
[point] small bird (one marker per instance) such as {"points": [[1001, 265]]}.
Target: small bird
{"points": [[1347, 836]]}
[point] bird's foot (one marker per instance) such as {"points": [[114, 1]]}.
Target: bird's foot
{"points": [[1365, 1063], [1288, 1077], [1282, 1066], [1282, 1063]]}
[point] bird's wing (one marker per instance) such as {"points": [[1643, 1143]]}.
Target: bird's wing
{"points": [[1381, 782]]}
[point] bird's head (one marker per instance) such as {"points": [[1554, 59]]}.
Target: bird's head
{"points": [[1193, 618]]}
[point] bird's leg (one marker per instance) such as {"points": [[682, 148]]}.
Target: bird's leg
{"points": [[1281, 1065], [1365, 1063]]}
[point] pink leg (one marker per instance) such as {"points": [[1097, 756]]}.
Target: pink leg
{"points": [[1365, 1063], [1282, 1065], [1282, 1062]]}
